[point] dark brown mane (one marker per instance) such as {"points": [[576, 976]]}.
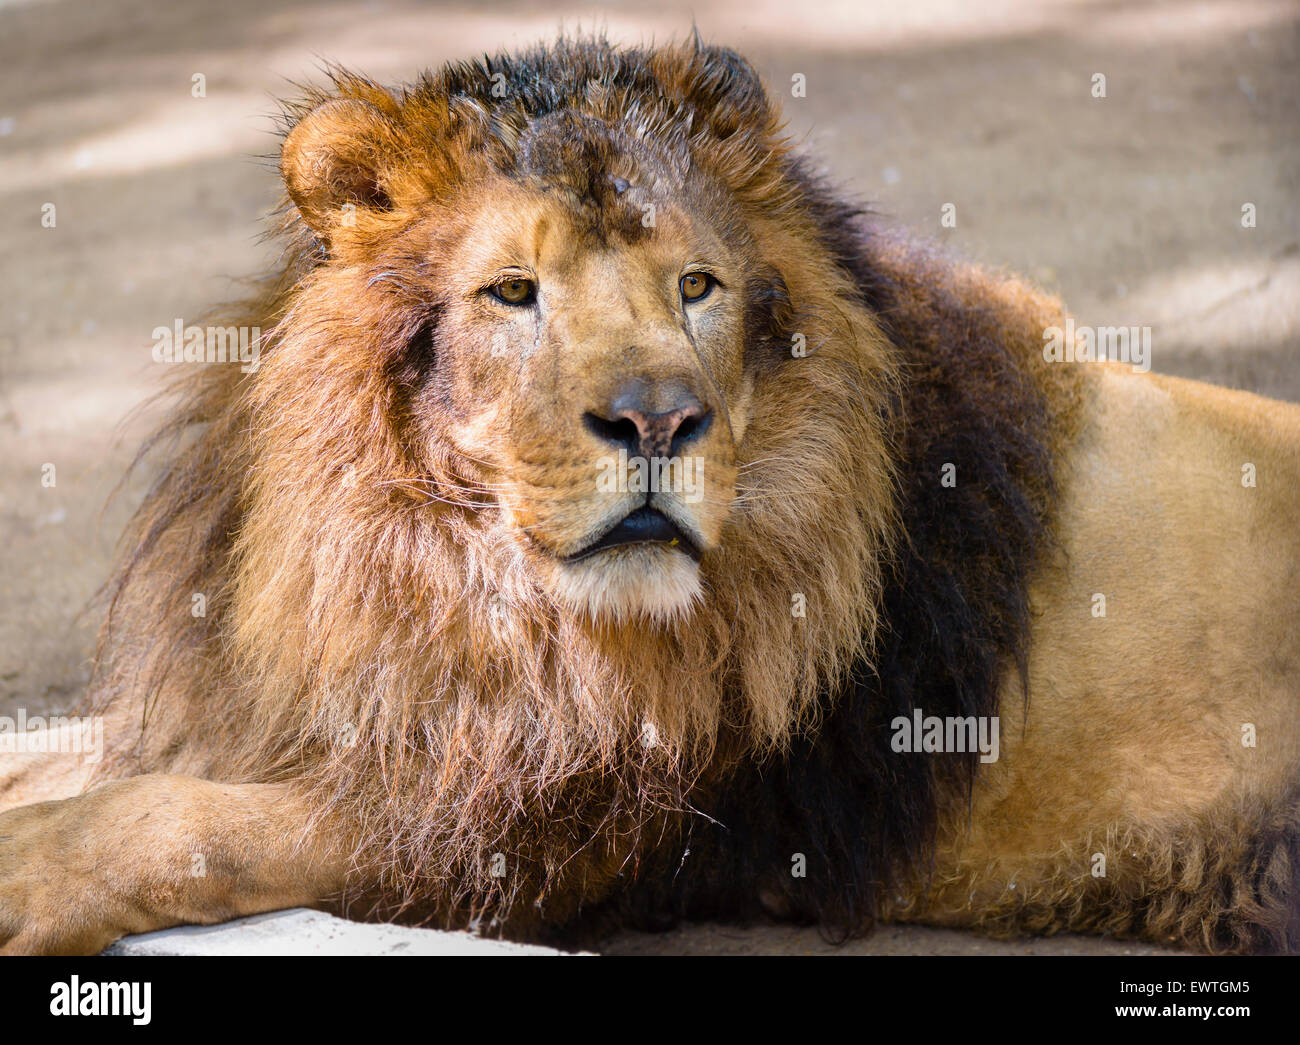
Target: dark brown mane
{"points": [[955, 617]]}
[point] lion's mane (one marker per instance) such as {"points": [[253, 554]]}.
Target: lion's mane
{"points": [[364, 639]]}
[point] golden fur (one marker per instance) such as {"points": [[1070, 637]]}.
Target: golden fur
{"points": [[416, 628], [416, 688]]}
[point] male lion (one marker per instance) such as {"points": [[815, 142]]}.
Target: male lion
{"points": [[619, 528]]}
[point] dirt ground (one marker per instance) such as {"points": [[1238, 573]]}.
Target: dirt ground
{"points": [[1130, 205]]}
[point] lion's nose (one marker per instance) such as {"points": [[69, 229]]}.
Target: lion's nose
{"points": [[630, 424]]}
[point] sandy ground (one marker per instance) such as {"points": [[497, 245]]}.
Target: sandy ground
{"points": [[1130, 205]]}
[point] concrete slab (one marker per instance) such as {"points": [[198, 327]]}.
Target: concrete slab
{"points": [[301, 932]]}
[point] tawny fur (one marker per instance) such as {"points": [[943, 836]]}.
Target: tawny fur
{"points": [[371, 623], [386, 642]]}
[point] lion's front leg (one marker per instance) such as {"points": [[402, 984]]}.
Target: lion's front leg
{"points": [[155, 851]]}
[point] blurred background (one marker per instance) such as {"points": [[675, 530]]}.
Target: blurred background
{"points": [[1129, 205]]}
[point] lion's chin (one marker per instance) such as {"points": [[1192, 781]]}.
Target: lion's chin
{"points": [[651, 582]]}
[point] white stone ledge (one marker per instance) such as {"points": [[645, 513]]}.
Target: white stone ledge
{"points": [[299, 931]]}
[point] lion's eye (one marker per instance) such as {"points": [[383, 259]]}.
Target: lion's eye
{"points": [[515, 291], [695, 285]]}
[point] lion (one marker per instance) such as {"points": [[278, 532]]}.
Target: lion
{"points": [[622, 527]]}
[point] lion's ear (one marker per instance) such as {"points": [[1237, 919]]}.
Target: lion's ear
{"points": [[335, 156], [723, 88]]}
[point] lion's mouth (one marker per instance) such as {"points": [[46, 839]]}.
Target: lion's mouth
{"points": [[646, 525]]}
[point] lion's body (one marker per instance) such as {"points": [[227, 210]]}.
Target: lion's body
{"points": [[409, 671], [1165, 735]]}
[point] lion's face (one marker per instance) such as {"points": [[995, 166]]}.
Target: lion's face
{"points": [[591, 369], [584, 370]]}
